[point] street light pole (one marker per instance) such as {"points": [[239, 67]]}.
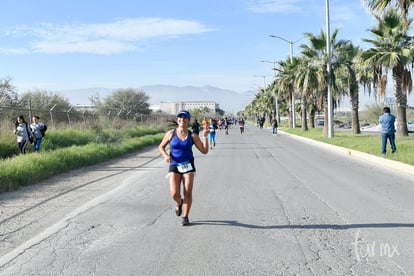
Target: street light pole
{"points": [[264, 80], [291, 59], [276, 93], [328, 69]]}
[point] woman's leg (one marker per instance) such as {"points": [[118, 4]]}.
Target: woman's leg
{"points": [[188, 193], [22, 146], [37, 144], [175, 183]]}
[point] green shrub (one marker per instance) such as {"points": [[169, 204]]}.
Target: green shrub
{"points": [[8, 144], [68, 137], [31, 168]]}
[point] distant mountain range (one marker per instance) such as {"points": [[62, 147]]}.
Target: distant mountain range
{"points": [[228, 100]]}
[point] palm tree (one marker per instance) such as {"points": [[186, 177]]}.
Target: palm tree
{"points": [[267, 103], [261, 104], [380, 5], [366, 74], [284, 82], [307, 79], [346, 78], [394, 50], [316, 52]]}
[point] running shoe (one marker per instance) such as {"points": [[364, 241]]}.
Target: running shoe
{"points": [[179, 211], [185, 221]]}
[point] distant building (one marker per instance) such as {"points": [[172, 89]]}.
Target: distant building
{"points": [[85, 107], [174, 107], [154, 107]]}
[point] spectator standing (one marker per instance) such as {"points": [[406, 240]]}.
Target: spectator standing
{"points": [[387, 121], [274, 126], [23, 133], [261, 122], [241, 125], [37, 129]]}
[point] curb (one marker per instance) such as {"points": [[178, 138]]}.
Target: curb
{"points": [[380, 161]]}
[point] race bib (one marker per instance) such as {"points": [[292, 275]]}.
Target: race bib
{"points": [[184, 167]]}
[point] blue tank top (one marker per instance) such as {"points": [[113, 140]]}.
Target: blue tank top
{"points": [[181, 151]]}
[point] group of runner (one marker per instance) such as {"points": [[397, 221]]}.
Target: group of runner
{"points": [[222, 123], [214, 124]]}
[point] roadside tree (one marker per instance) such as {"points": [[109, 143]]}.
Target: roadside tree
{"points": [[126, 103], [392, 49]]}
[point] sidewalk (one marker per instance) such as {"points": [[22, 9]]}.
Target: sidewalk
{"points": [[380, 161]]}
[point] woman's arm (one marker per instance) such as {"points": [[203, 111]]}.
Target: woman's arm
{"points": [[202, 146], [162, 147]]}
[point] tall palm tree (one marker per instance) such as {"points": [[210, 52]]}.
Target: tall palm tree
{"points": [[267, 103], [394, 50], [346, 77], [317, 52], [307, 79], [284, 82]]}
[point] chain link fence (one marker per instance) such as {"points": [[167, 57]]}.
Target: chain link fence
{"points": [[81, 118]]}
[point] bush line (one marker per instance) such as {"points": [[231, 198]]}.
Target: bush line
{"points": [[31, 168]]}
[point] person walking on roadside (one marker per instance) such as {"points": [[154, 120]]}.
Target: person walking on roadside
{"points": [[241, 125], [181, 162], [387, 121], [23, 133], [261, 122], [274, 126], [37, 129]]}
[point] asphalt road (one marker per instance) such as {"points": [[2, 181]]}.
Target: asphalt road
{"points": [[263, 205]]}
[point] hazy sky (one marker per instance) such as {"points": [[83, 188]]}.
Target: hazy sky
{"points": [[72, 44]]}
